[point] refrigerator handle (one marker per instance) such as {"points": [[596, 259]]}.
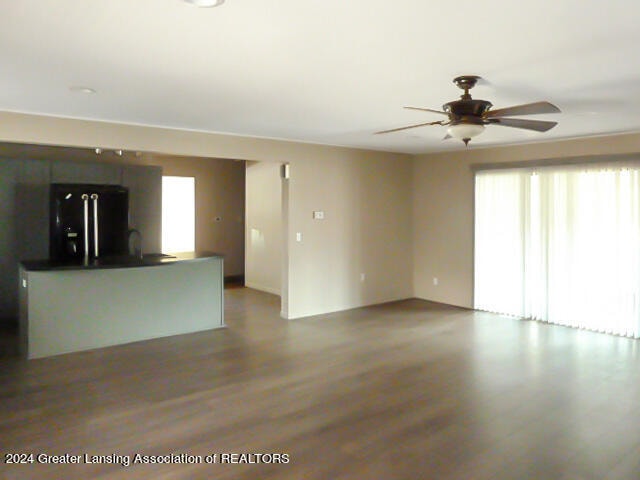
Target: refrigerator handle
{"points": [[85, 200], [94, 197]]}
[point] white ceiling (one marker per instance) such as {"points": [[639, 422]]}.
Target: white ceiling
{"points": [[330, 72]]}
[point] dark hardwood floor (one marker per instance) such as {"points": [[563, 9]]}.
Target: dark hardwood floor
{"points": [[408, 390]]}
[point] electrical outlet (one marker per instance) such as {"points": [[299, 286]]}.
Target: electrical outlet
{"points": [[318, 215], [298, 236], [363, 277], [435, 281]]}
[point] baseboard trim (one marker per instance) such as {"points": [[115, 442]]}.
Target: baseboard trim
{"points": [[436, 302], [262, 288], [234, 279]]}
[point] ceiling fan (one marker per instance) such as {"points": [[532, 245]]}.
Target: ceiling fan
{"points": [[468, 117]]}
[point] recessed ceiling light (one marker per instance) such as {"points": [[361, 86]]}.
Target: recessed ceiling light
{"points": [[205, 3], [80, 89]]}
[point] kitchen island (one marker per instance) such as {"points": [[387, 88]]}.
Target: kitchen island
{"points": [[69, 307]]}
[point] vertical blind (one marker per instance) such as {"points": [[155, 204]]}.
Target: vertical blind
{"points": [[560, 245]]}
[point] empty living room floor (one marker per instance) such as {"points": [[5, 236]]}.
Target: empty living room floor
{"points": [[406, 390]]}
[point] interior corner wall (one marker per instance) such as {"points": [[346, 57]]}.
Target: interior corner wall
{"points": [[263, 227], [443, 203], [360, 253]]}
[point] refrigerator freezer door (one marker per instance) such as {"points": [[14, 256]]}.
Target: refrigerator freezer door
{"points": [[67, 235], [111, 221], [87, 221]]}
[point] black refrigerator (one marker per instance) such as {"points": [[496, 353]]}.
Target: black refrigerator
{"points": [[88, 221]]}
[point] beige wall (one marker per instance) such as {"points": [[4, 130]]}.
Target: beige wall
{"points": [[364, 194], [366, 230], [443, 190], [263, 238], [220, 194]]}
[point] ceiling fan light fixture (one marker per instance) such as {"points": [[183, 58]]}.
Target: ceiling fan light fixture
{"points": [[205, 3], [465, 130], [82, 89]]}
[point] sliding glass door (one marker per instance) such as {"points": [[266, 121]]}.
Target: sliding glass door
{"points": [[560, 244]]}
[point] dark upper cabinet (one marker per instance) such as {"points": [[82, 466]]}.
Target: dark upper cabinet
{"points": [[24, 223], [8, 239], [86, 172], [32, 209], [145, 204]]}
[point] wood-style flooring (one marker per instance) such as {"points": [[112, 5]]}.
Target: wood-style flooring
{"points": [[407, 390]]}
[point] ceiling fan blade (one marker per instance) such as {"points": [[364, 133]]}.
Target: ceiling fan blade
{"points": [[526, 109], [537, 125], [447, 137], [410, 126], [427, 110]]}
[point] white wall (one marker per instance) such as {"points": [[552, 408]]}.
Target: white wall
{"points": [[263, 232]]}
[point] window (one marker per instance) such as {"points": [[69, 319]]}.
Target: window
{"points": [[560, 245], [178, 214]]}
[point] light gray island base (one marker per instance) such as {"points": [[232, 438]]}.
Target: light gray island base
{"points": [[65, 311]]}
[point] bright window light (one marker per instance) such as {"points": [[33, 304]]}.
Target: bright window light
{"points": [[561, 245], [178, 214]]}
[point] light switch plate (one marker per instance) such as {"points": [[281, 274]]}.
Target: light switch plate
{"points": [[318, 215]]}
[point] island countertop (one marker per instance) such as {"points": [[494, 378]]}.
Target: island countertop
{"points": [[68, 308], [122, 261]]}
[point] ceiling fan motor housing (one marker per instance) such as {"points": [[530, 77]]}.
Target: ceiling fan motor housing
{"points": [[467, 110]]}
